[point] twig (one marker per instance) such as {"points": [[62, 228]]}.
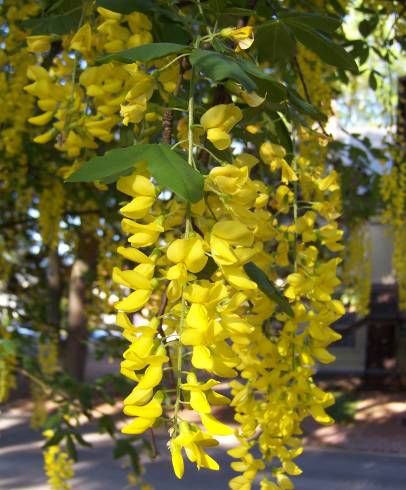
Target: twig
{"points": [[160, 315], [153, 444]]}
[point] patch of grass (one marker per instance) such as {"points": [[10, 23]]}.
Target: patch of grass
{"points": [[344, 408]]}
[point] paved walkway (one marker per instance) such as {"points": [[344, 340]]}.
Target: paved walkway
{"points": [[324, 469]]}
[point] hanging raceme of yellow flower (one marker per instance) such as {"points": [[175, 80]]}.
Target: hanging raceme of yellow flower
{"points": [[7, 366], [357, 268], [58, 466], [50, 216], [193, 316], [48, 363]]}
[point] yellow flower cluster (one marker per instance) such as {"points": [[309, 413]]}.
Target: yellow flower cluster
{"points": [[48, 363], [194, 317], [58, 466], [17, 106], [357, 269], [119, 93], [220, 326], [50, 216], [7, 366], [393, 191]]}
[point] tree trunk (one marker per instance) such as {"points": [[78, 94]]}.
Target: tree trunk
{"points": [[54, 285], [79, 293]]}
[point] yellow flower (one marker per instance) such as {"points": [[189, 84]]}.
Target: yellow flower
{"points": [[190, 252], [146, 415], [193, 441], [139, 279], [82, 40], [243, 36], [42, 119], [270, 151], [250, 98], [38, 44], [136, 185], [142, 235], [228, 179], [226, 237], [218, 122], [198, 400]]}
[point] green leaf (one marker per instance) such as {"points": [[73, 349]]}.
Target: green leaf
{"points": [[70, 446], [241, 12], [171, 170], [146, 52], [81, 440], [281, 132], [121, 448], [172, 32], [324, 23], [55, 439], [305, 107], [330, 52], [220, 67], [367, 26], [337, 7], [167, 167], [53, 24], [106, 424], [276, 91], [266, 286], [274, 41], [114, 162], [127, 6], [373, 84]]}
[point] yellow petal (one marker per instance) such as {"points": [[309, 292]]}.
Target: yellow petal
{"points": [[323, 355], [82, 40], [217, 399], [234, 232], [320, 415], [138, 425], [138, 208], [138, 396], [42, 119], [201, 358], [45, 137], [237, 278], [199, 402], [134, 302], [177, 459], [220, 139], [133, 254], [206, 461], [195, 259], [215, 427], [221, 251], [136, 185], [152, 409], [152, 377], [131, 279]]}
